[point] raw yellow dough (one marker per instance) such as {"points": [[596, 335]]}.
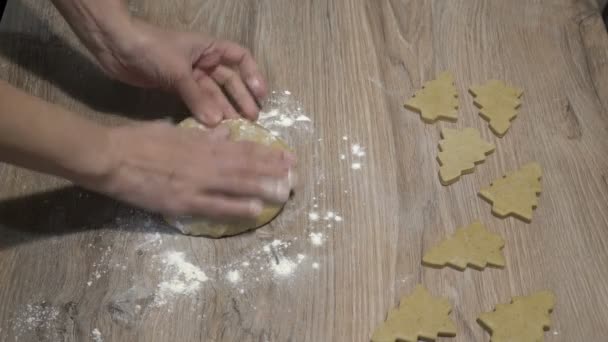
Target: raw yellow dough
{"points": [[524, 320], [419, 316], [473, 245], [516, 193], [438, 99], [459, 152], [498, 104], [240, 130]]}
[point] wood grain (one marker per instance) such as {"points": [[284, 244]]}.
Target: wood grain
{"points": [[351, 64]]}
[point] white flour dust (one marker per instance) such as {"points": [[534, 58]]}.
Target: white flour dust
{"points": [[284, 117], [234, 276], [284, 267], [96, 335], [313, 216], [35, 318], [356, 152], [101, 266], [316, 238], [181, 278]]}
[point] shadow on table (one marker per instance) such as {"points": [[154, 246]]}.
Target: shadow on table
{"points": [[66, 211], [54, 60]]}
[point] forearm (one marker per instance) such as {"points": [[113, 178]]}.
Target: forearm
{"points": [[40, 136], [96, 22]]}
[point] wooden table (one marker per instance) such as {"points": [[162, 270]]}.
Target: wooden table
{"points": [[75, 266]]}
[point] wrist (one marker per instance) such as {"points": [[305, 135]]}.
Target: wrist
{"points": [[98, 24], [91, 165]]}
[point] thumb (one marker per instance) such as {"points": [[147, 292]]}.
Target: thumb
{"points": [[190, 92]]}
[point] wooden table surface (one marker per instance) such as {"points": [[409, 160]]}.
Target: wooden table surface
{"points": [[75, 266]]}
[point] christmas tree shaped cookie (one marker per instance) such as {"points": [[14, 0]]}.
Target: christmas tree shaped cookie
{"points": [[472, 245], [498, 104], [524, 320], [516, 193], [459, 151], [419, 316], [438, 99]]}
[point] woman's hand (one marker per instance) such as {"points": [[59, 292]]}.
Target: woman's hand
{"points": [[192, 64], [195, 66], [188, 172]]}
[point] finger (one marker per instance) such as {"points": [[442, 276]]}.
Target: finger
{"points": [[220, 207], [235, 55], [219, 133], [234, 85], [203, 110], [213, 94], [270, 189], [249, 158]]}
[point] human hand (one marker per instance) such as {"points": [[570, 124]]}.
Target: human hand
{"points": [[193, 65], [177, 172]]}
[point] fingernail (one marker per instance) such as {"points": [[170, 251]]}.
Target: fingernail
{"points": [[211, 119], [253, 83], [256, 207]]}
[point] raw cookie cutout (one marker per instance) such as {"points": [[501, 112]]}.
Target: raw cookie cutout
{"points": [[438, 99], [498, 104], [459, 152], [473, 245], [524, 320], [419, 316], [516, 193]]}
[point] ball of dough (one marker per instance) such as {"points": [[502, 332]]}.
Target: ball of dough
{"points": [[240, 130]]}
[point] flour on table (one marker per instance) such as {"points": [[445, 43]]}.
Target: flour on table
{"points": [[284, 267], [284, 117], [234, 276], [316, 238], [96, 335], [181, 278], [313, 216], [35, 318]]}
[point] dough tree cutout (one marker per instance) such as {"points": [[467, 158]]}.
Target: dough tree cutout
{"points": [[459, 152], [515, 194], [498, 104], [524, 320], [472, 245], [438, 99], [419, 316]]}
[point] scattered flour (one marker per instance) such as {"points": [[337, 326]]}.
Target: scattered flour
{"points": [[316, 238], [234, 276], [356, 166], [35, 317], [181, 278], [313, 216], [357, 150], [315, 265], [96, 335], [284, 267], [101, 266]]}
